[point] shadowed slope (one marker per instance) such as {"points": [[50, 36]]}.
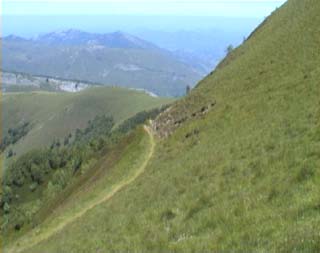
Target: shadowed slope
{"points": [[53, 115]]}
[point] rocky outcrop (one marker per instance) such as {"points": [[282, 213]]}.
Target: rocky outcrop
{"points": [[22, 79], [171, 119]]}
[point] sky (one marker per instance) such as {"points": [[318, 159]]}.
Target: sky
{"points": [[28, 18], [224, 8]]}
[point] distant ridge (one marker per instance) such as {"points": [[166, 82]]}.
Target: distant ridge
{"points": [[77, 37], [113, 59]]}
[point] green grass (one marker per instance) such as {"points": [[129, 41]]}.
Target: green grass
{"points": [[247, 180], [55, 115], [120, 168]]}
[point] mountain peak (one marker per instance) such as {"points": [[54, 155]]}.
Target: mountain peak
{"points": [[116, 39], [13, 37]]}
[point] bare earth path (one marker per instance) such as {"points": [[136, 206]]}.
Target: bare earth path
{"points": [[33, 237]]}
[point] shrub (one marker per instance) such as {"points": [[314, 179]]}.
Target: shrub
{"points": [[6, 208], [10, 153], [7, 194], [229, 49], [14, 134], [37, 173], [33, 187]]}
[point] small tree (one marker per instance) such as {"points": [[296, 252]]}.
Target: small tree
{"points": [[6, 207], [18, 177], [188, 88], [229, 49], [58, 144], [66, 141], [10, 153], [76, 164], [7, 194], [33, 187], [37, 174]]}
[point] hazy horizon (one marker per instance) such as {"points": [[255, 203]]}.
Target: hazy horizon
{"points": [[16, 24], [29, 18], [228, 8]]}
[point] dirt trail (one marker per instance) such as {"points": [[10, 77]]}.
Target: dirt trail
{"points": [[33, 238]]}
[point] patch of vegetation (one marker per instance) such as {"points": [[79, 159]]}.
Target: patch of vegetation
{"points": [[41, 175], [140, 118], [13, 135], [53, 115]]}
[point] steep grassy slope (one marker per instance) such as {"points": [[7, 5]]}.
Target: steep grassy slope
{"points": [[242, 177], [55, 115], [113, 173]]}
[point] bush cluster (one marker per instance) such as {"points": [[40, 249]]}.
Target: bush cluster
{"points": [[13, 135], [44, 173]]}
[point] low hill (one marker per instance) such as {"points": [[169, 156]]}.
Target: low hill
{"points": [[237, 168], [54, 115], [114, 59]]}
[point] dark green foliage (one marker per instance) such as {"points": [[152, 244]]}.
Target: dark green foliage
{"points": [[53, 162], [6, 208], [229, 49], [13, 135], [33, 187], [55, 115], [99, 126], [37, 173], [44, 173], [7, 194], [10, 153], [66, 141], [32, 166], [188, 89], [140, 118], [58, 144], [55, 165], [76, 163]]}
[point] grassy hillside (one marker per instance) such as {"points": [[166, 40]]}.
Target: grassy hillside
{"points": [[121, 165], [240, 176], [54, 115]]}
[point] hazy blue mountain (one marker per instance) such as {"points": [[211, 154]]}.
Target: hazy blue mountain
{"points": [[203, 47], [77, 37], [116, 59]]}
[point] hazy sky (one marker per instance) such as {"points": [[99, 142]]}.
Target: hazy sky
{"points": [[225, 8]]}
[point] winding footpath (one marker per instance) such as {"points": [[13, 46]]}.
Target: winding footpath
{"points": [[33, 238]]}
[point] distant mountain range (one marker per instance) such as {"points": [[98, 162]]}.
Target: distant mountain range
{"points": [[118, 59], [111, 40]]}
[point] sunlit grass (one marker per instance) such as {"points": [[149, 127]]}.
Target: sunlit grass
{"points": [[248, 179], [55, 115]]}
